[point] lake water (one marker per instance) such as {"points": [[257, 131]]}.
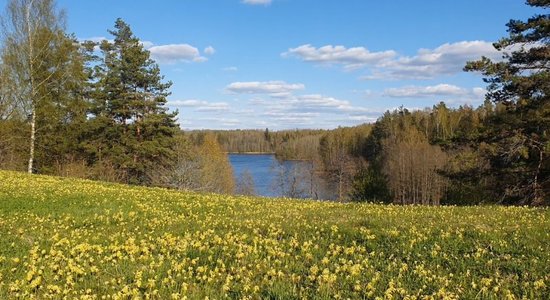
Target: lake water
{"points": [[275, 179], [261, 167]]}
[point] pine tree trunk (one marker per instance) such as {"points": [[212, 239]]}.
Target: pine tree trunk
{"points": [[33, 138]]}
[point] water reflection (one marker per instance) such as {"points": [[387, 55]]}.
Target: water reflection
{"points": [[271, 178]]}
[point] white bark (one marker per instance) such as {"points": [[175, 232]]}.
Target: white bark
{"points": [[31, 77], [32, 142]]}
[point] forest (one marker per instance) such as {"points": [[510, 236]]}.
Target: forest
{"points": [[98, 110]]}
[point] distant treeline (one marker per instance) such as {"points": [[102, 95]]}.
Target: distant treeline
{"points": [[438, 155], [297, 144]]}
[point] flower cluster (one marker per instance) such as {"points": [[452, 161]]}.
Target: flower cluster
{"points": [[77, 239]]}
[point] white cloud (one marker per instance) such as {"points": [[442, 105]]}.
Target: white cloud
{"points": [[166, 54], [292, 111], [299, 114], [257, 2], [209, 50], [230, 69], [245, 112], [350, 58], [275, 88], [291, 118], [446, 59], [478, 91], [224, 122], [428, 63], [425, 91], [188, 103], [201, 105], [309, 104], [440, 90], [147, 44], [277, 105], [363, 118], [320, 101], [206, 123], [175, 53]]}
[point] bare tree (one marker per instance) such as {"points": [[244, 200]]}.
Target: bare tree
{"points": [[245, 184], [205, 168], [184, 172], [290, 180], [412, 165]]}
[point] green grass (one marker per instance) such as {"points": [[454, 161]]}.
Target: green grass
{"points": [[69, 238]]}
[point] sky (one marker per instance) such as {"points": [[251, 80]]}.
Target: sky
{"points": [[285, 64]]}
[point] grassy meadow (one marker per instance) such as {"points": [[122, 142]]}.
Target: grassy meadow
{"points": [[77, 239]]}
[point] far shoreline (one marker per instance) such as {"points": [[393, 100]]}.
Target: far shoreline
{"points": [[252, 153], [266, 153]]}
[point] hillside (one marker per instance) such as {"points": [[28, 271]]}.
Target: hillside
{"points": [[83, 239]]}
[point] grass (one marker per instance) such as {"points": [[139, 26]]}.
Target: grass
{"points": [[69, 238]]}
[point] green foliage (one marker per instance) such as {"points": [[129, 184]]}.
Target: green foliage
{"points": [[13, 144], [130, 126], [37, 58], [469, 183], [517, 136], [370, 185], [414, 149], [62, 112]]}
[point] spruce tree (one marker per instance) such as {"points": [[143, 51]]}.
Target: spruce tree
{"points": [[130, 126]]}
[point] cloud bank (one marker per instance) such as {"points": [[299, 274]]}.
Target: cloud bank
{"points": [[256, 2], [176, 53], [431, 91], [275, 88], [446, 59]]}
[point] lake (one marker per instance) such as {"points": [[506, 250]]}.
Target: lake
{"points": [[261, 167], [276, 179]]}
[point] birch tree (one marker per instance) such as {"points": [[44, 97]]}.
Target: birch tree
{"points": [[31, 31]]}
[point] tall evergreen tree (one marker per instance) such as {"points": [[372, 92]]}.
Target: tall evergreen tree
{"points": [[130, 126], [519, 136]]}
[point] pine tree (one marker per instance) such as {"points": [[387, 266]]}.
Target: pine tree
{"points": [[518, 138], [130, 128]]}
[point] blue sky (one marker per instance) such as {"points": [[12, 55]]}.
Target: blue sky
{"points": [[306, 63]]}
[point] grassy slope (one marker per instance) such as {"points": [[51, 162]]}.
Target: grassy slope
{"points": [[82, 238]]}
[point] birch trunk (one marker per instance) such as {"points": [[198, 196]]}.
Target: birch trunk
{"points": [[31, 77], [32, 143]]}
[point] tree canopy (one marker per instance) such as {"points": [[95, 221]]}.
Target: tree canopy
{"points": [[130, 125], [518, 139]]}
